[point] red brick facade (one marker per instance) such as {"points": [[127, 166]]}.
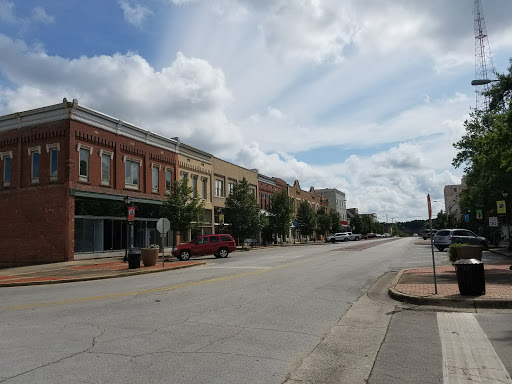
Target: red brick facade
{"points": [[37, 215]]}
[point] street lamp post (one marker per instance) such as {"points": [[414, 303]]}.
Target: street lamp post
{"points": [[505, 195], [482, 81], [127, 202]]}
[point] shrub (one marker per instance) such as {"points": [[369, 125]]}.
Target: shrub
{"points": [[452, 251]]}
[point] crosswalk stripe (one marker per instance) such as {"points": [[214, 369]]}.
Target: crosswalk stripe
{"points": [[468, 355]]}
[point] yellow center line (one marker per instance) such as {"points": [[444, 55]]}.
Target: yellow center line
{"points": [[162, 289]]}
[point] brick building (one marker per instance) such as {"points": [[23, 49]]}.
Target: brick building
{"points": [[225, 175], [67, 175]]}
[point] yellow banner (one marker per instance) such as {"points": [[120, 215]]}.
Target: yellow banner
{"points": [[502, 206]]}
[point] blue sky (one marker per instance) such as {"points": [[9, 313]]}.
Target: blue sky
{"points": [[366, 96]]}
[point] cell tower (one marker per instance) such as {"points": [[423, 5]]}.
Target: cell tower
{"points": [[483, 59]]}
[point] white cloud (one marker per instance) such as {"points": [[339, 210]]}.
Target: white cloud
{"points": [[136, 14], [7, 11], [8, 15], [186, 98], [39, 14]]}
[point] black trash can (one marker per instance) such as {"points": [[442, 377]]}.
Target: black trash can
{"points": [[470, 277], [134, 258]]}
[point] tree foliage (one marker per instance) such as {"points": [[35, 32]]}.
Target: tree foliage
{"points": [[335, 220], [323, 221], [184, 212], [281, 212], [306, 219], [485, 151], [242, 211]]}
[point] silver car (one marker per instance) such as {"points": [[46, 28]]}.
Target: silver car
{"points": [[445, 237]]}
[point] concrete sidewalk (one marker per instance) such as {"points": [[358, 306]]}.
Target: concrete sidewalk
{"points": [[416, 286]]}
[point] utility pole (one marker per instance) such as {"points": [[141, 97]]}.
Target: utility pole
{"points": [[484, 68]]}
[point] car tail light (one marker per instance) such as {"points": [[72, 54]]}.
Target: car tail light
{"points": [[450, 237]]}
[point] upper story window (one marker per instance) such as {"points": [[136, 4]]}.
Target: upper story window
{"points": [[168, 180], [194, 186], [219, 188], [230, 188], [253, 191], [84, 153], [131, 175], [53, 151], [35, 155], [6, 157], [155, 170], [106, 161], [205, 187], [184, 176]]}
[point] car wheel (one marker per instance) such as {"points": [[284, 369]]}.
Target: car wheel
{"points": [[425, 238], [223, 252], [184, 255], [346, 239], [440, 248], [333, 241], [357, 238]]}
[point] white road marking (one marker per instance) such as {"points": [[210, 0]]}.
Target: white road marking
{"points": [[468, 355]]}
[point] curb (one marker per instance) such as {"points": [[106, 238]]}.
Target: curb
{"points": [[102, 277], [445, 302]]}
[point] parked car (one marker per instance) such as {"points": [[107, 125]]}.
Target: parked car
{"points": [[370, 235], [343, 236], [445, 237], [386, 235], [426, 233], [218, 245]]}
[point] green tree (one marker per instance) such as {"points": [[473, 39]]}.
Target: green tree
{"points": [[242, 212], [323, 221], [184, 212], [357, 224], [335, 220], [485, 152], [444, 220], [306, 219], [281, 212]]}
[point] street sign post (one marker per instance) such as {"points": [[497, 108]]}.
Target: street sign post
{"points": [[163, 225], [432, 241]]}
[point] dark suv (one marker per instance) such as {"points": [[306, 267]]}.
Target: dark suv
{"points": [[445, 237], [218, 245], [426, 233]]}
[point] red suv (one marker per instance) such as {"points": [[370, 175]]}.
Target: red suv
{"points": [[218, 245]]}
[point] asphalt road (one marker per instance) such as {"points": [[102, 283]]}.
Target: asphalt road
{"points": [[275, 315]]}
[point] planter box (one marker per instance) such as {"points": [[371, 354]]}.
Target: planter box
{"points": [[469, 252], [149, 256]]}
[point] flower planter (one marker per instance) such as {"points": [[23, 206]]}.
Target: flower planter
{"points": [[469, 252], [149, 256]]}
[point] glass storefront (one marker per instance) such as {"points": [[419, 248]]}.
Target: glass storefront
{"points": [[102, 226]]}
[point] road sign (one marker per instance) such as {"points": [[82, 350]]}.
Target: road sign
{"points": [[466, 217], [479, 214], [131, 213], [429, 207], [502, 207], [493, 222], [163, 225]]}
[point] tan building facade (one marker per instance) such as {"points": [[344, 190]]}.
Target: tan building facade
{"points": [[225, 176], [197, 167]]}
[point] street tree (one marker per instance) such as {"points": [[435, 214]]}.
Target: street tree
{"points": [[486, 155], [335, 220], [185, 212], [356, 224], [281, 212], [323, 221], [306, 219], [242, 212]]}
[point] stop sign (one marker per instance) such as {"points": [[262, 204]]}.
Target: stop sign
{"points": [[163, 225]]}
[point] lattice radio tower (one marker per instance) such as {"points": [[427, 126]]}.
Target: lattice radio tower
{"points": [[483, 59]]}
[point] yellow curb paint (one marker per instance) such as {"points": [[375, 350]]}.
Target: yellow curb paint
{"points": [[162, 289]]}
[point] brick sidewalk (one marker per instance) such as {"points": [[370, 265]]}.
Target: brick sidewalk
{"points": [[420, 282]]}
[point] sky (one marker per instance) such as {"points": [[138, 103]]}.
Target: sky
{"points": [[366, 96]]}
